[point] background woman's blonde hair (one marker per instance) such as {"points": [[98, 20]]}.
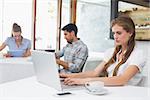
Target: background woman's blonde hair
{"points": [[16, 28], [128, 25]]}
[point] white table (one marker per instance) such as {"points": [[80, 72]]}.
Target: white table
{"points": [[15, 68], [30, 89]]}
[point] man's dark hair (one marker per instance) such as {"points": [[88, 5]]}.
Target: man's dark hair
{"points": [[70, 27]]}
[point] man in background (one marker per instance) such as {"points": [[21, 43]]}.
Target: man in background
{"points": [[75, 52]]}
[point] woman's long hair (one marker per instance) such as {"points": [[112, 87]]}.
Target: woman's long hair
{"points": [[128, 25]]}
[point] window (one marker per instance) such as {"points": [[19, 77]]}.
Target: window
{"points": [[15, 11], [138, 11], [46, 24], [140, 16], [65, 19], [1, 17], [93, 21]]}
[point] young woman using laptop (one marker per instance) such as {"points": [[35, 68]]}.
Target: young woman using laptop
{"points": [[18, 46], [121, 65]]}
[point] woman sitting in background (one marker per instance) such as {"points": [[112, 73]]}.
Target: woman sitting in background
{"points": [[122, 65], [18, 46]]}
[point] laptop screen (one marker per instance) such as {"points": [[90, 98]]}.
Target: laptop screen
{"points": [[16, 53], [46, 68]]}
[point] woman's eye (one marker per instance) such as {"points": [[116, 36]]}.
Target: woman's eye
{"points": [[119, 33], [113, 33]]}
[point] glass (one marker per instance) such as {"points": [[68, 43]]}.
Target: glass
{"points": [[19, 11], [65, 19], [46, 24], [1, 17], [19, 16], [140, 16], [93, 21]]}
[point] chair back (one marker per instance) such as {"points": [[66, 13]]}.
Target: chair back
{"points": [[91, 65]]}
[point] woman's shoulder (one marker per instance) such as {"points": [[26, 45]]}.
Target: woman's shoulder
{"points": [[138, 53], [9, 39], [26, 40], [138, 57]]}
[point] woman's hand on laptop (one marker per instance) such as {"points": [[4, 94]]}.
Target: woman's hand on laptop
{"points": [[75, 81], [7, 55]]}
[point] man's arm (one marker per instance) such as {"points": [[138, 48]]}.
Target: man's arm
{"points": [[79, 60], [62, 63], [60, 53], [77, 63]]}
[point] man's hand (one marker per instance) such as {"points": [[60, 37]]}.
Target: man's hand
{"points": [[62, 63], [58, 61], [63, 75]]}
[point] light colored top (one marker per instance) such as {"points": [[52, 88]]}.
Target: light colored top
{"points": [[136, 58], [10, 42], [75, 54]]}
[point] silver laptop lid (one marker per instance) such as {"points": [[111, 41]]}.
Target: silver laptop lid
{"points": [[46, 69]]}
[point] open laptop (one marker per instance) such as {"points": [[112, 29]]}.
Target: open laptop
{"points": [[16, 53], [46, 70]]}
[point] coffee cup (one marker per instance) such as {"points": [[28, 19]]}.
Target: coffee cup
{"points": [[94, 86]]}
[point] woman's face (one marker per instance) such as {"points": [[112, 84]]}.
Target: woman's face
{"points": [[17, 35], [121, 36]]}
